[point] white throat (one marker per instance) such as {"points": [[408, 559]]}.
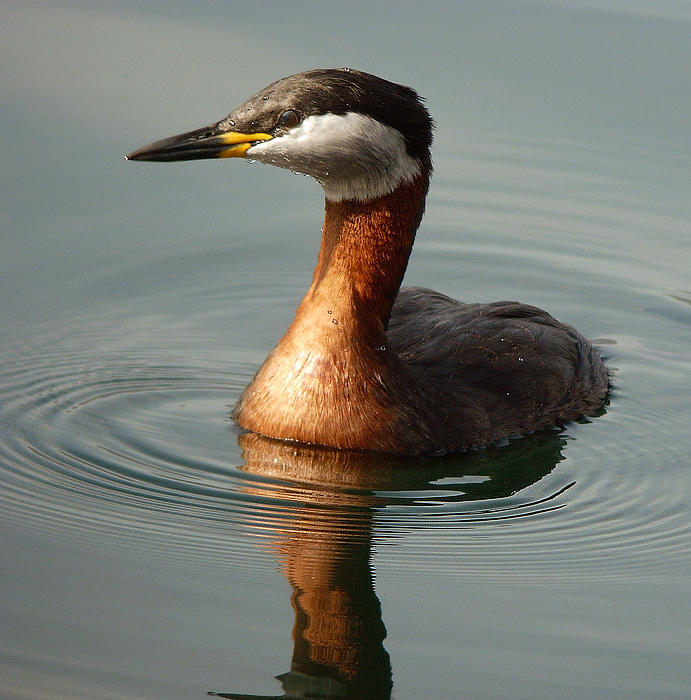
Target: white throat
{"points": [[352, 156]]}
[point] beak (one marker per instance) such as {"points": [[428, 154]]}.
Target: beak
{"points": [[210, 142]]}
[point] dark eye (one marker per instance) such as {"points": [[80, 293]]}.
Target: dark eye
{"points": [[288, 119]]}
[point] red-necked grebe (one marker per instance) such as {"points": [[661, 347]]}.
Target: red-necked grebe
{"points": [[365, 364]]}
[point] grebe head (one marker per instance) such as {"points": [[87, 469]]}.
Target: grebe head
{"points": [[358, 135]]}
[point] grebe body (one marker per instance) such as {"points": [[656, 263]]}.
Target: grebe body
{"points": [[366, 364]]}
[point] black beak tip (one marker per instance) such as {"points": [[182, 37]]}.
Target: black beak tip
{"points": [[139, 154], [133, 156]]}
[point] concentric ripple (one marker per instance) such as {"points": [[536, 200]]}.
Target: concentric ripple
{"points": [[122, 447], [158, 438], [96, 445]]}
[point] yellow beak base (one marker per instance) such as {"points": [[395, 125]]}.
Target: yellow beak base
{"points": [[239, 143]]}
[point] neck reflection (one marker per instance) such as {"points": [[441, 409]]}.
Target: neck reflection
{"points": [[339, 633], [324, 544]]}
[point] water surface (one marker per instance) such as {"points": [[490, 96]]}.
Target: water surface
{"points": [[152, 551]]}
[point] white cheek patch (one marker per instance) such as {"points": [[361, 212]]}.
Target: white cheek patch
{"points": [[352, 156]]}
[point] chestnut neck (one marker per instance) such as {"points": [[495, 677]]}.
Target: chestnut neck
{"points": [[364, 254], [330, 378]]}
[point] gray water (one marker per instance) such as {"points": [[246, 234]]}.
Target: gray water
{"points": [[149, 550]]}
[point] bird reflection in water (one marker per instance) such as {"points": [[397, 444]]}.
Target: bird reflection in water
{"points": [[324, 544]]}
